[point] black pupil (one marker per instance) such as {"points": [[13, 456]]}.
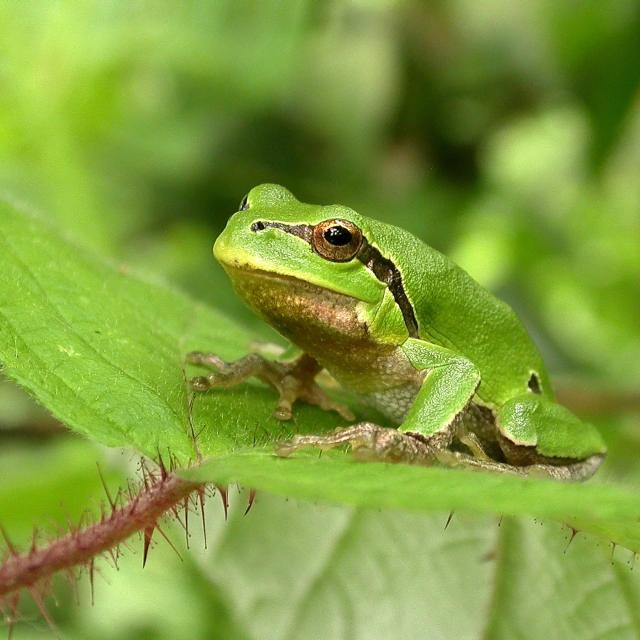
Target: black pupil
{"points": [[338, 236]]}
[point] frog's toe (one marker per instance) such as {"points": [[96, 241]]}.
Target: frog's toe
{"points": [[200, 383], [312, 393], [201, 359], [343, 411], [285, 449], [321, 399], [284, 410]]}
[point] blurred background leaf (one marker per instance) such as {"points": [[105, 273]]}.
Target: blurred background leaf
{"points": [[505, 134]]}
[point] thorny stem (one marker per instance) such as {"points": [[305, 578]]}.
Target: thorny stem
{"points": [[82, 546]]}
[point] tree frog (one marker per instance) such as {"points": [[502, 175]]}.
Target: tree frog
{"points": [[406, 330]]}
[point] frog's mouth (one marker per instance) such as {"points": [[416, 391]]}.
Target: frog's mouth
{"points": [[238, 270]]}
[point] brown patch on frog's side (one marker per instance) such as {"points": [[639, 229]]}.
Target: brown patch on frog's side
{"points": [[300, 310], [383, 268], [326, 325]]}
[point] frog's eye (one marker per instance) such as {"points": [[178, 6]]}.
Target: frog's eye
{"points": [[336, 240], [244, 203]]}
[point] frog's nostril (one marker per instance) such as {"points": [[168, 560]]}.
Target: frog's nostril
{"points": [[257, 226]]}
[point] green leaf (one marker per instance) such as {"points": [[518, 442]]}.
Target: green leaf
{"points": [[292, 570], [31, 475], [606, 511], [104, 351], [353, 573]]}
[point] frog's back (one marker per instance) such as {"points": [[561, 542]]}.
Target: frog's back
{"points": [[456, 312]]}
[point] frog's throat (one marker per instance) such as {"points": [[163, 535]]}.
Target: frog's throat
{"points": [[329, 327], [383, 268], [307, 314]]}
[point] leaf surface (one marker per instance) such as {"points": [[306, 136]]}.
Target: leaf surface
{"points": [[104, 351]]}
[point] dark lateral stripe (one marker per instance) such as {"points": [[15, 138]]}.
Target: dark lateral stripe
{"points": [[304, 231], [388, 273], [382, 268]]}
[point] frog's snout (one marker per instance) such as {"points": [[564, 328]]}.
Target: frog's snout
{"points": [[219, 247]]}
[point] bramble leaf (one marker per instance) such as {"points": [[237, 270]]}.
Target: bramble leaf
{"points": [[104, 349]]}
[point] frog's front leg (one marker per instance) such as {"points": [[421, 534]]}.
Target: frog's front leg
{"points": [[293, 380], [430, 424]]}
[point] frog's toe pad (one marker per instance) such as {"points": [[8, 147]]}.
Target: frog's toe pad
{"points": [[200, 384]]}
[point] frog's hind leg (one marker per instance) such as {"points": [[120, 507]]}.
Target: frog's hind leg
{"points": [[368, 441], [430, 424], [538, 434], [581, 470], [293, 380]]}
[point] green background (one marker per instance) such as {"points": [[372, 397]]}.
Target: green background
{"points": [[504, 134]]}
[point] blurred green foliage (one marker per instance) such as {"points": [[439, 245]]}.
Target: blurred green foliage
{"points": [[505, 134]]}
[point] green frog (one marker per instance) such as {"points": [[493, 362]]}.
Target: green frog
{"points": [[404, 329]]}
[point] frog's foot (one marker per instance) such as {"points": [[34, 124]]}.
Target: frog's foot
{"points": [[368, 441], [293, 380], [579, 470]]}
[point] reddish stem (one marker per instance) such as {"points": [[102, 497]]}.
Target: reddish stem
{"points": [[141, 513]]}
